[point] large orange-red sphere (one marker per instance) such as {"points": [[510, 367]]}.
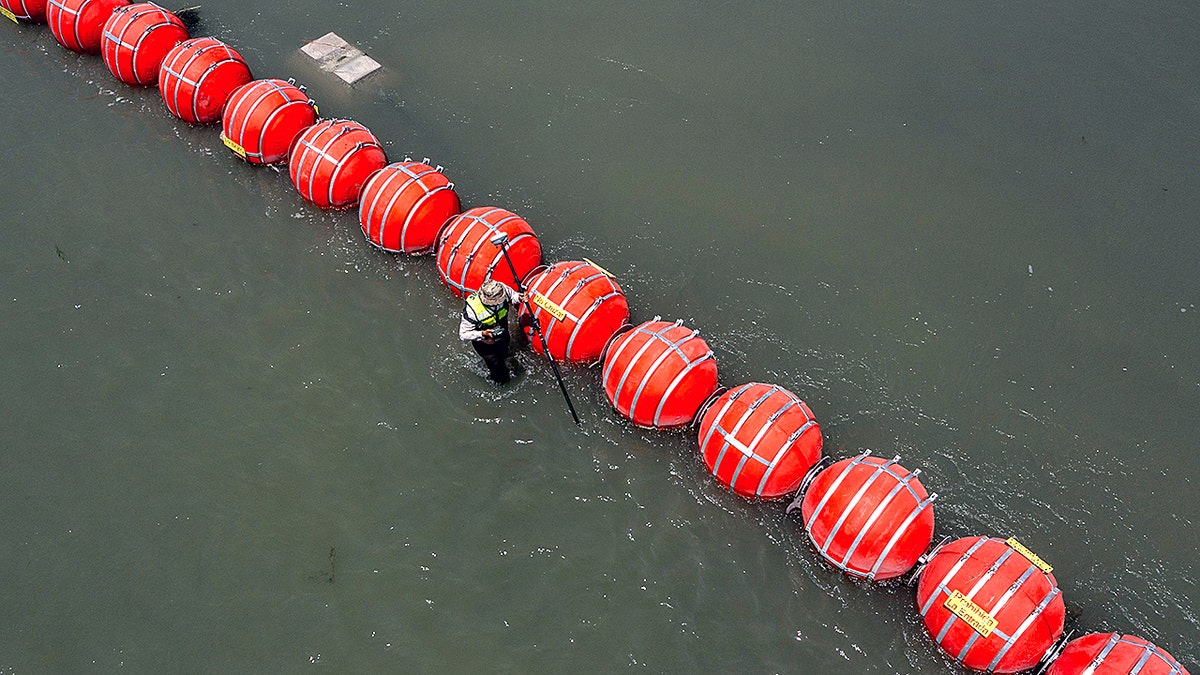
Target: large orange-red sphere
{"points": [[136, 39], [1024, 601], [869, 517], [262, 120], [587, 308], [466, 257], [197, 76], [1114, 654], [658, 374], [404, 205], [331, 161], [25, 10], [759, 440], [77, 24]]}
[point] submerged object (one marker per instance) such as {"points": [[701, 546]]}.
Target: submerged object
{"points": [[24, 10], [991, 604], [331, 161], [868, 517], [263, 118], [197, 76], [578, 306], [759, 440], [136, 39], [335, 55], [1114, 654], [77, 24], [658, 374], [466, 257], [405, 204]]}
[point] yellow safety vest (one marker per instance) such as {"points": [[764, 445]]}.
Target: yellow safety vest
{"points": [[482, 316]]}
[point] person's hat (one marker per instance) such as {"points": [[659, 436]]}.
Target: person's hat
{"points": [[492, 293]]}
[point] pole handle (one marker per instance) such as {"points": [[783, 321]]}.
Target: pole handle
{"points": [[538, 329]]}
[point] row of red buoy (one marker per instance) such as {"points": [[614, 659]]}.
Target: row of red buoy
{"points": [[990, 604]]}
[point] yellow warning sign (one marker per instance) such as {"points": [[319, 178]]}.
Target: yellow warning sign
{"points": [[1033, 557], [548, 305], [974, 615], [606, 272], [241, 152], [11, 17]]}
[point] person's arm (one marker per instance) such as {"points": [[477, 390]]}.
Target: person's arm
{"points": [[513, 296], [467, 330]]}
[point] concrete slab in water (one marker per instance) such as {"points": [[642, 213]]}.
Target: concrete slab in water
{"points": [[335, 55]]}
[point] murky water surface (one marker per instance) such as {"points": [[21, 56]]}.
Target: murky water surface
{"points": [[236, 439]]}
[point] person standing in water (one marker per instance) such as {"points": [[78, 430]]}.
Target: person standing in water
{"points": [[485, 324]]}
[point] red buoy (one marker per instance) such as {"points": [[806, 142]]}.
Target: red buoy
{"points": [[466, 257], [77, 24], [404, 205], [24, 10], [659, 374], [869, 517], [759, 440], [332, 159], [197, 76], [1113, 654], [990, 604], [578, 307], [136, 39], [263, 118]]}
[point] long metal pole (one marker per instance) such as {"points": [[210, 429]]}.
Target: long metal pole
{"points": [[538, 329]]}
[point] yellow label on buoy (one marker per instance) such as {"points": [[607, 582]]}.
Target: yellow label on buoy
{"points": [[241, 152], [548, 305], [974, 615], [11, 17], [1030, 555], [606, 272]]}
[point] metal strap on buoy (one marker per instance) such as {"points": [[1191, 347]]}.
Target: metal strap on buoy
{"points": [[461, 284], [748, 451], [941, 584], [820, 465], [402, 171], [416, 208], [553, 322], [610, 361], [880, 470], [195, 49], [321, 153], [596, 304], [859, 460], [119, 42], [27, 13], [64, 11], [284, 94], [903, 482], [339, 166], [625, 328], [1011, 640], [671, 346], [786, 446], [908, 520], [691, 365]]}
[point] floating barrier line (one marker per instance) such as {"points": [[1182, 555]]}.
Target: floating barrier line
{"points": [[959, 606]]}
